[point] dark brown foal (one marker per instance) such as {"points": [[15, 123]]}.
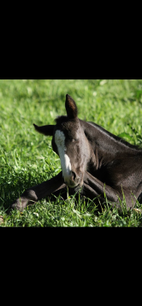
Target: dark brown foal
{"points": [[94, 161]]}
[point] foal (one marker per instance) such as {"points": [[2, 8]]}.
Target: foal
{"points": [[93, 161]]}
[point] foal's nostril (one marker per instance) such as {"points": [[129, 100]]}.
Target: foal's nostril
{"points": [[73, 176]]}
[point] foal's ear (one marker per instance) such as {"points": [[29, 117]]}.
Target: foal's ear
{"points": [[71, 107], [45, 129]]}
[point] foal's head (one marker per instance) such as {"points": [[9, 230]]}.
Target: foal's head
{"points": [[70, 143]]}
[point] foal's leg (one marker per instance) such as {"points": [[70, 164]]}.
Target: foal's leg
{"points": [[93, 187], [40, 191]]}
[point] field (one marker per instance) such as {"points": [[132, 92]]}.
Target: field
{"points": [[27, 158]]}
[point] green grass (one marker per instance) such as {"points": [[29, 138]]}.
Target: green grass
{"points": [[27, 158]]}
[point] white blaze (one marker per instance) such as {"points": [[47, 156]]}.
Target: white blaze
{"points": [[65, 161]]}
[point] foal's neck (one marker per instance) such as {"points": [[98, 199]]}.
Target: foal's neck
{"points": [[106, 143]]}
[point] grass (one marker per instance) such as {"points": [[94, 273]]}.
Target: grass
{"points": [[27, 158]]}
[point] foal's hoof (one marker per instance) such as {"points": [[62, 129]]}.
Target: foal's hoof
{"points": [[28, 197], [20, 204]]}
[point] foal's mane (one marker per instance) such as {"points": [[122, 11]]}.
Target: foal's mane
{"points": [[117, 138]]}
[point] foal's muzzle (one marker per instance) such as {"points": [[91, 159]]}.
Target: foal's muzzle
{"points": [[72, 180]]}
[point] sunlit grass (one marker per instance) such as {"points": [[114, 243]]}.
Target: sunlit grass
{"points": [[27, 158]]}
